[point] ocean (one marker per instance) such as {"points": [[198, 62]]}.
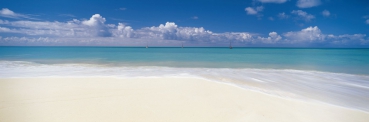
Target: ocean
{"points": [[333, 76]]}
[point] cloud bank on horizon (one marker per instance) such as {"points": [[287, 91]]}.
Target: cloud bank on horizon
{"points": [[23, 30]]}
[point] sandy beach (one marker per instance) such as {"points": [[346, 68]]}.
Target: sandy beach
{"points": [[110, 99]]}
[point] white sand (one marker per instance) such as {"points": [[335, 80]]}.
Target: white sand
{"points": [[153, 100]]}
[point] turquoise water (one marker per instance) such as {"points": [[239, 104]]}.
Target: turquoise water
{"points": [[350, 61], [334, 76]]}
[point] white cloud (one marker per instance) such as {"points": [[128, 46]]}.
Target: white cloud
{"points": [[283, 15], [7, 30], [272, 1], [167, 31], [93, 32], [96, 22], [5, 12], [309, 34], [61, 29], [250, 10], [123, 9], [308, 3], [124, 31], [367, 21], [254, 11], [171, 31], [4, 21], [303, 15], [272, 39], [82, 41], [94, 27], [326, 13], [315, 35], [349, 39]]}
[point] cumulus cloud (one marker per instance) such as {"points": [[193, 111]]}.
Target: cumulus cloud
{"points": [[346, 39], [167, 31], [95, 31], [171, 31], [61, 29], [272, 39], [254, 11], [272, 1], [314, 35], [96, 22], [94, 27], [309, 34], [326, 13], [5, 12], [123, 31], [359, 37], [308, 3], [303, 15]]}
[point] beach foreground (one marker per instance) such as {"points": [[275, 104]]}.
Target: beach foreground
{"points": [[153, 100]]}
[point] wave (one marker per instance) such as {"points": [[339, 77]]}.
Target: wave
{"points": [[346, 90]]}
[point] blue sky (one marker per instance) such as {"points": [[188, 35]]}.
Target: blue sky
{"points": [[250, 23]]}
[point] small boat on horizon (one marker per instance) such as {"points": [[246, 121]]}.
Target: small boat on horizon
{"points": [[230, 45]]}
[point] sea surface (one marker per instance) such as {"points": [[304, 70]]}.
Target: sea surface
{"points": [[338, 77]]}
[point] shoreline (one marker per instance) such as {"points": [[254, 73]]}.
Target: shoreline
{"points": [[168, 98], [252, 84], [147, 65]]}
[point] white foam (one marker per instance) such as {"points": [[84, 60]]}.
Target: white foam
{"points": [[345, 90]]}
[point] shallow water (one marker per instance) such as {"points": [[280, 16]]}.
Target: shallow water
{"points": [[334, 76], [350, 61]]}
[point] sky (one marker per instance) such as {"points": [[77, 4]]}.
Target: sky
{"points": [[209, 23]]}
